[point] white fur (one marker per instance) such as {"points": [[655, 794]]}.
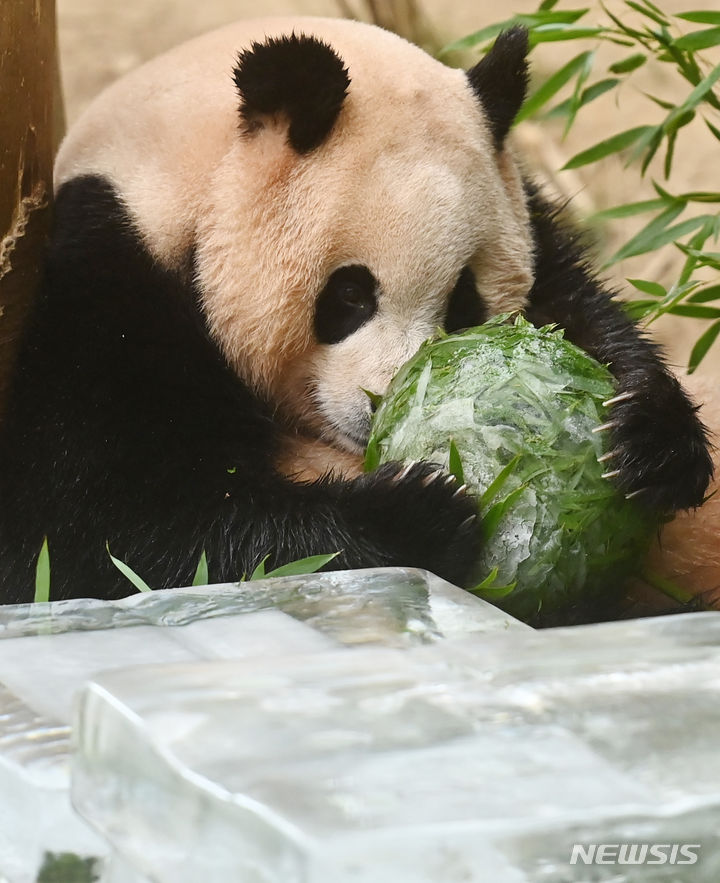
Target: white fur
{"points": [[407, 184]]}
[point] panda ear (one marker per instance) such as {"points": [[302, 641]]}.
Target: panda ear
{"points": [[299, 77], [500, 81]]}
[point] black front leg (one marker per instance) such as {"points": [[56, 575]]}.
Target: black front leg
{"points": [[658, 447]]}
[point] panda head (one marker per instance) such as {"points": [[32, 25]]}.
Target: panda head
{"points": [[352, 196]]}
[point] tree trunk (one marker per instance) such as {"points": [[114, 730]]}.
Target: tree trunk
{"points": [[29, 126]]}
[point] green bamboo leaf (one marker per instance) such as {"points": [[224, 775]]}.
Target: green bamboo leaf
{"points": [[129, 573], [551, 16], [552, 86], [649, 232], [651, 288], [492, 592], [302, 566], [547, 5], [477, 37], [588, 95], [695, 312], [201, 572], [631, 63], [372, 455], [649, 145], [42, 574], [628, 210], [492, 518], [375, 398], [554, 33], [576, 97], [637, 36], [455, 466], [701, 347], [639, 309], [495, 593], [666, 195], [657, 17], [545, 16], [652, 6], [641, 244], [704, 258], [677, 120], [691, 250], [700, 17], [713, 129], [499, 481], [674, 296], [667, 587], [669, 154], [259, 572], [703, 39], [597, 89], [702, 88], [705, 295], [666, 105], [488, 581], [607, 147], [700, 196]]}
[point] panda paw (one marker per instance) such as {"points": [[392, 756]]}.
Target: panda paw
{"points": [[658, 450], [421, 517]]}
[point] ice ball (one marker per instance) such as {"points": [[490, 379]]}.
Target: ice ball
{"points": [[511, 409]]}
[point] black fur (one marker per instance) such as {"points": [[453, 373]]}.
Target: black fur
{"points": [[500, 81], [346, 303], [297, 76], [465, 307], [660, 447], [127, 428]]}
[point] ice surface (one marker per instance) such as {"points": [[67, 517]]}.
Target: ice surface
{"points": [[47, 651], [468, 760]]}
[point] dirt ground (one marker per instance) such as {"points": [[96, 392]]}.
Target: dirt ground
{"points": [[102, 39]]}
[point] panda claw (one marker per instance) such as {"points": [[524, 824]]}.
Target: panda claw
{"points": [[450, 479], [405, 471], [611, 474], [608, 456], [460, 491], [611, 424], [428, 480], [622, 397], [467, 522], [635, 493]]}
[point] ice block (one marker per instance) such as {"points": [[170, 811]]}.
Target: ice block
{"points": [[47, 651], [467, 761]]}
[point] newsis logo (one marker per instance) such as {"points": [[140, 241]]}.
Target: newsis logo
{"points": [[634, 853]]}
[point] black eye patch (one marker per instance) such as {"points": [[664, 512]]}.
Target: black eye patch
{"points": [[347, 302], [465, 307]]}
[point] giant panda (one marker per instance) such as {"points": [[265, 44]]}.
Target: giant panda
{"points": [[250, 232]]}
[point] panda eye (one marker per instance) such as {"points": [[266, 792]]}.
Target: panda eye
{"points": [[465, 307], [346, 303]]}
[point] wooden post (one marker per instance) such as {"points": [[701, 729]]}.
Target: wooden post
{"points": [[29, 126]]}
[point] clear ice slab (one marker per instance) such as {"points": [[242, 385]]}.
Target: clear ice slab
{"points": [[476, 760], [47, 651]]}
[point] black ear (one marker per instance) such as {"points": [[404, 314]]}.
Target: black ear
{"points": [[500, 81], [297, 76]]}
